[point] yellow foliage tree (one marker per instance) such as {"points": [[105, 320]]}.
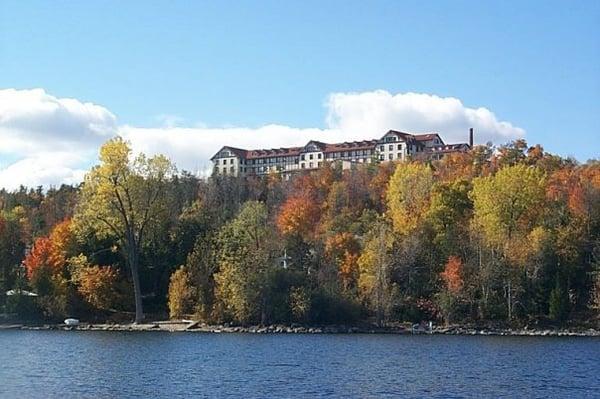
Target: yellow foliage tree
{"points": [[408, 196], [181, 293], [125, 197], [374, 268]]}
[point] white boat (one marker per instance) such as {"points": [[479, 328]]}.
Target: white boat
{"points": [[72, 322]]}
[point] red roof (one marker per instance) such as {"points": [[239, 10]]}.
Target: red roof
{"points": [[427, 136], [273, 152], [341, 147], [294, 151], [350, 146]]}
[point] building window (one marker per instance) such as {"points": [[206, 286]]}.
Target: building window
{"points": [[391, 156], [232, 169], [381, 157], [302, 165], [302, 157], [399, 156], [319, 164], [319, 155], [310, 165], [310, 156], [391, 147], [399, 147], [381, 148]]}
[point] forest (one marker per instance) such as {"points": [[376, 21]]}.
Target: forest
{"points": [[500, 234]]}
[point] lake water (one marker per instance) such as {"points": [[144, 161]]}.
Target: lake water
{"points": [[47, 364]]}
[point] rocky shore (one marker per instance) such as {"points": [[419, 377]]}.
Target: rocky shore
{"points": [[190, 326]]}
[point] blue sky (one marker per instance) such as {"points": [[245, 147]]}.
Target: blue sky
{"points": [[535, 65]]}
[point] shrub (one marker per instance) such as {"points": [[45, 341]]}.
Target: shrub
{"points": [[300, 303], [98, 286], [181, 293]]}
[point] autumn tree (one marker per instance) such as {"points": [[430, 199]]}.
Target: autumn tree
{"points": [[181, 294], [375, 269], [12, 246], [48, 256], [452, 275], [408, 196], [245, 257], [453, 280], [448, 215], [343, 250], [299, 215], [125, 197], [98, 285], [507, 210], [378, 185], [201, 265]]}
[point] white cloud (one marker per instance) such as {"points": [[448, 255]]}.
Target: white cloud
{"points": [[43, 169], [54, 140], [33, 121], [374, 112]]}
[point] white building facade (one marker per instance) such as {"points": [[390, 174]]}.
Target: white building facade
{"points": [[393, 146]]}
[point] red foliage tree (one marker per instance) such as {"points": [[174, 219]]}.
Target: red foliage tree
{"points": [[49, 253], [452, 274]]}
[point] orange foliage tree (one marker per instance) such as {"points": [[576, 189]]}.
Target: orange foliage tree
{"points": [[452, 274], [344, 250], [97, 285], [50, 252], [298, 215], [577, 187]]}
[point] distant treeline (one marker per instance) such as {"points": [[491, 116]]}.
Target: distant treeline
{"points": [[509, 234]]}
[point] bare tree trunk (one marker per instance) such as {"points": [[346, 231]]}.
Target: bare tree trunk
{"points": [[509, 299], [137, 289]]}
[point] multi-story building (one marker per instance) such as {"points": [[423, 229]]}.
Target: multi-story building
{"points": [[393, 146]]}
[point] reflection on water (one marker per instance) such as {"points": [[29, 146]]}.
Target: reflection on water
{"points": [[114, 364]]}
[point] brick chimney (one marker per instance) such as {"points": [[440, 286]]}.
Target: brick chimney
{"points": [[471, 137]]}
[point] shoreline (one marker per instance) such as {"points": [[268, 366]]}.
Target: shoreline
{"points": [[194, 327]]}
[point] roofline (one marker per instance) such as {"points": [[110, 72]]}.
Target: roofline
{"points": [[230, 148], [410, 137]]}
